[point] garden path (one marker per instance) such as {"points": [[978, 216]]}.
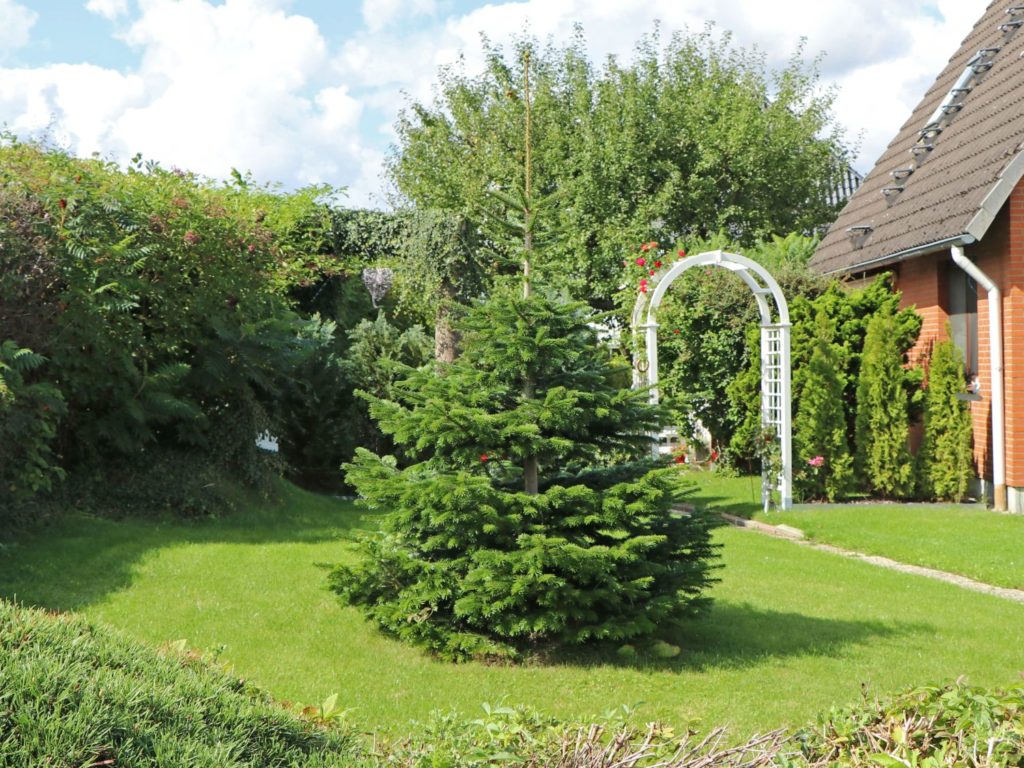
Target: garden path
{"points": [[796, 536]]}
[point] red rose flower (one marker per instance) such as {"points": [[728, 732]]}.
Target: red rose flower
{"points": [[682, 254], [657, 264], [652, 273], [484, 457], [62, 203], [641, 261]]}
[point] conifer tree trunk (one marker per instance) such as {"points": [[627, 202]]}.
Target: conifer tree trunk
{"points": [[531, 469], [446, 338]]}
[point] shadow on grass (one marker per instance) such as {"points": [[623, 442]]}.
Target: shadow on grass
{"points": [[737, 635], [76, 561]]}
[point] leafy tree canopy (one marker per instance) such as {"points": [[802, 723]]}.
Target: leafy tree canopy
{"points": [[690, 137]]}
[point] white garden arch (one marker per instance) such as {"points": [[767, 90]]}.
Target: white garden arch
{"points": [[776, 397]]}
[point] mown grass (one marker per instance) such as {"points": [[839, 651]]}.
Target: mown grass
{"points": [[961, 538], [792, 632]]}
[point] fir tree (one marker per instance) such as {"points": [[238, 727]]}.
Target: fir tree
{"points": [[471, 561], [525, 514], [946, 457], [883, 459], [823, 461]]}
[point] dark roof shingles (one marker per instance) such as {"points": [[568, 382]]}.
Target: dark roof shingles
{"points": [[946, 190]]}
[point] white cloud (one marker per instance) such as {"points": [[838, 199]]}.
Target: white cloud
{"points": [[251, 84], [16, 22], [108, 9], [79, 105], [378, 14], [236, 84]]}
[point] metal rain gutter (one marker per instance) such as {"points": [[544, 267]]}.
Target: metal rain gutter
{"points": [[995, 337], [909, 253]]}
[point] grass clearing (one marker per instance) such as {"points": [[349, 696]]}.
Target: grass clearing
{"points": [[960, 538], [793, 631]]}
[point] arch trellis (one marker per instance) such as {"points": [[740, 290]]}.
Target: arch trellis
{"points": [[776, 396]]}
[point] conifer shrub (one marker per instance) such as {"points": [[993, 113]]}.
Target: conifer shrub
{"points": [[822, 456], [883, 458], [947, 462], [471, 562]]}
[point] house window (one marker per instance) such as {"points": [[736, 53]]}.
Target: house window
{"points": [[963, 317]]}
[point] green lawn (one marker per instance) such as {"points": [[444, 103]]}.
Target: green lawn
{"points": [[960, 538], [792, 630]]}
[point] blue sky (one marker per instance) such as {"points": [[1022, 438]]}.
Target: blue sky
{"points": [[307, 91]]}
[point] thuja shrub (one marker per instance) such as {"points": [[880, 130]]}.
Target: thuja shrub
{"points": [[76, 694], [947, 463], [883, 457], [823, 461], [472, 561]]}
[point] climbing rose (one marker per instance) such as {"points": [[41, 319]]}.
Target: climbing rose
{"points": [[484, 457], [817, 461], [657, 264], [641, 261]]}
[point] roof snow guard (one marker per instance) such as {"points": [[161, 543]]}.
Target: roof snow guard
{"points": [[954, 162]]}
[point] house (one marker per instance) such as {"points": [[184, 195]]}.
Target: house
{"points": [[943, 210]]}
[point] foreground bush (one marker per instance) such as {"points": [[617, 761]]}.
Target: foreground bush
{"points": [[74, 694], [952, 725]]}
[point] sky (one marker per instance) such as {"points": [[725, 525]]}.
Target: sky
{"points": [[304, 92]]}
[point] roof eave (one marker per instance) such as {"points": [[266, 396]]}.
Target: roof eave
{"points": [[910, 253], [975, 230]]}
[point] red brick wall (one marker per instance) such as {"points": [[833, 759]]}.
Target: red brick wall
{"points": [[923, 284], [1000, 255]]}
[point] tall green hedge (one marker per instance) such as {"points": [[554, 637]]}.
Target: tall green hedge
{"points": [[160, 303]]}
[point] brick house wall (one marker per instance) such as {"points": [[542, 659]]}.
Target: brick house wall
{"points": [[923, 284]]}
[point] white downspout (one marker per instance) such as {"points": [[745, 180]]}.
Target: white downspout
{"points": [[995, 340]]}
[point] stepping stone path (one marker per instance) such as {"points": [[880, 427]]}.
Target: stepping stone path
{"points": [[797, 536]]}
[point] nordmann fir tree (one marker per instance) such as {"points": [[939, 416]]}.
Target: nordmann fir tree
{"points": [[526, 514]]}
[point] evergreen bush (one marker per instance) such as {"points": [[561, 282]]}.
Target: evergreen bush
{"points": [[823, 466], [883, 458], [947, 461], [472, 562]]}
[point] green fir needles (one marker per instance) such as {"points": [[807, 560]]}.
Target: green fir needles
{"points": [[472, 564]]}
